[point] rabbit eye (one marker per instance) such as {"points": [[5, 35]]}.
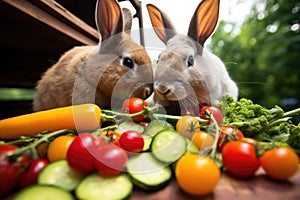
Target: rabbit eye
{"points": [[126, 61], [190, 61]]}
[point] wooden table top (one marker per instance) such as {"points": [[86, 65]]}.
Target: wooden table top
{"points": [[259, 187]]}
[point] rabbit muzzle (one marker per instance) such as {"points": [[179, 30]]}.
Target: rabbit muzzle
{"points": [[170, 84], [164, 92]]}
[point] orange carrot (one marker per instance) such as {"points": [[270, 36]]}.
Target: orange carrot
{"points": [[77, 117]]}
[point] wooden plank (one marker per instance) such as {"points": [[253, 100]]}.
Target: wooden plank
{"points": [[62, 14], [43, 16]]}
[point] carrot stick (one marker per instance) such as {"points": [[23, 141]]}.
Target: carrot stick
{"points": [[77, 117]]}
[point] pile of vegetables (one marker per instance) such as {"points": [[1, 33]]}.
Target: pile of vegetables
{"points": [[84, 152], [260, 123]]}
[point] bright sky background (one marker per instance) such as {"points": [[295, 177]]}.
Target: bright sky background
{"points": [[180, 12]]}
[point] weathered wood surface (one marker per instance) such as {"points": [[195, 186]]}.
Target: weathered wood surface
{"points": [[259, 187]]}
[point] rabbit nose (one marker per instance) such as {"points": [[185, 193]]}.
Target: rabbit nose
{"points": [[162, 91]]}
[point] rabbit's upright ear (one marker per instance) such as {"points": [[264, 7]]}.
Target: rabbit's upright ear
{"points": [[161, 23], [127, 18], [109, 18], [204, 20]]}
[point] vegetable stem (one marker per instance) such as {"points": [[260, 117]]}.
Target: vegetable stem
{"points": [[176, 118], [278, 121], [291, 113], [32, 147], [217, 134], [147, 111]]}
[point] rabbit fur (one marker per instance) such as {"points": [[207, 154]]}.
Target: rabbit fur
{"points": [[185, 71], [115, 69]]}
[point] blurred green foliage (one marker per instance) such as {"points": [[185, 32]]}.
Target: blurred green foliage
{"points": [[16, 94], [262, 55]]}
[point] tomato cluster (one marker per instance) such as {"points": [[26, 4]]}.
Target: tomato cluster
{"points": [[88, 152], [20, 171], [241, 156], [241, 159]]}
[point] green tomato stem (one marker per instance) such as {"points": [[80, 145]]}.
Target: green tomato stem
{"points": [[32, 147], [217, 134], [175, 118], [113, 115], [99, 131]]}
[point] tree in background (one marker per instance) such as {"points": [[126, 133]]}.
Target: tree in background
{"points": [[263, 56]]}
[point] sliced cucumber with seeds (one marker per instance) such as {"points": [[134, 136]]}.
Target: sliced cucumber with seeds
{"points": [[43, 192], [58, 173], [129, 125], [156, 126], [168, 146], [96, 186], [147, 172]]}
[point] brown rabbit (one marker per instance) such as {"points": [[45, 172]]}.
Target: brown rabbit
{"points": [[116, 69], [186, 73]]}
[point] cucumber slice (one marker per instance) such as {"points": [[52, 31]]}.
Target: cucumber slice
{"points": [[43, 192], [168, 146], [191, 147], [147, 142], [156, 126], [58, 173], [148, 173], [129, 125], [96, 186]]}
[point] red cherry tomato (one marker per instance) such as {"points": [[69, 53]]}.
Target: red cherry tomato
{"points": [[10, 174], [216, 113], [240, 159], [228, 133], [134, 105], [131, 141], [29, 177], [8, 149], [110, 160], [10, 170], [81, 153]]}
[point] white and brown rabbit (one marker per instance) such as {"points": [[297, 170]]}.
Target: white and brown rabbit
{"points": [[185, 71], [116, 68]]}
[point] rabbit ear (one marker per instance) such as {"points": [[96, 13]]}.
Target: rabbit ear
{"points": [[109, 18], [204, 20], [127, 18], [161, 23]]}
